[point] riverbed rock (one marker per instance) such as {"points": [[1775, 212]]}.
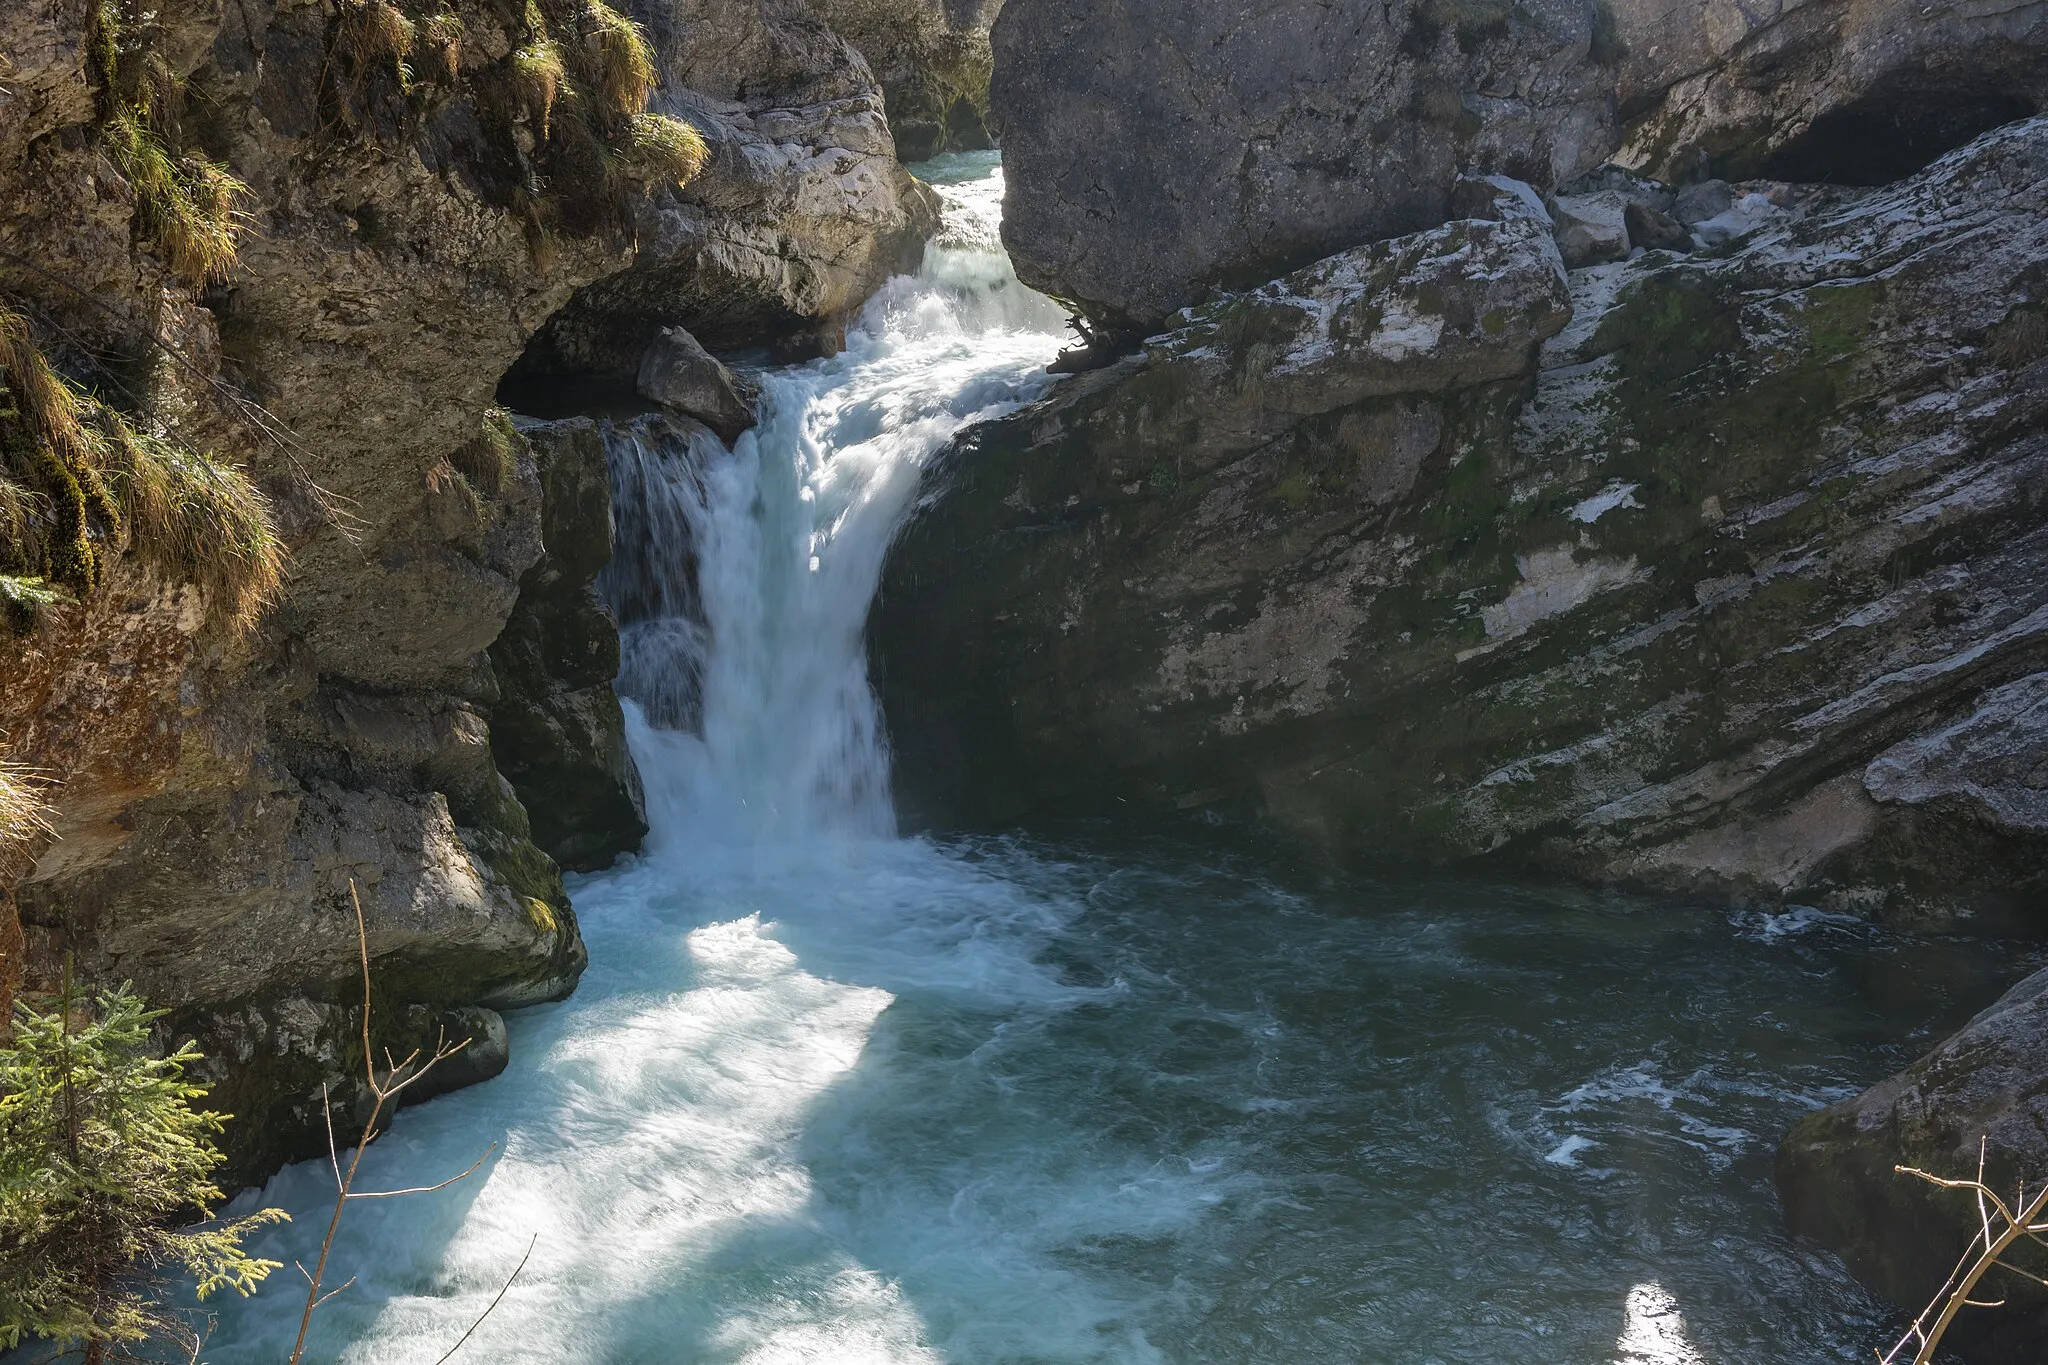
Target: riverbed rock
{"points": [[678, 373], [1978, 1094], [1645, 606]]}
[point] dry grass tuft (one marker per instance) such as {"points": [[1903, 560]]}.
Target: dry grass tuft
{"points": [[538, 77], [188, 206], [79, 479], [374, 32], [196, 521], [443, 34], [621, 62], [48, 448], [24, 810], [490, 460], [660, 148]]}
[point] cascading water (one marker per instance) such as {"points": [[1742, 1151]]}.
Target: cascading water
{"points": [[827, 1095]]}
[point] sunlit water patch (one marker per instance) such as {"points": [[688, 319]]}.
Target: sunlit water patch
{"points": [[830, 1095]]}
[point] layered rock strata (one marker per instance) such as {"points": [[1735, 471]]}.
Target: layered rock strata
{"points": [[1734, 581]]}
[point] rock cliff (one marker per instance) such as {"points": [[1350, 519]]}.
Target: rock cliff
{"points": [[1721, 570], [425, 191], [1157, 150]]}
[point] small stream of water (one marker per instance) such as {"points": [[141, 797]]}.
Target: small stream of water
{"points": [[832, 1096]]}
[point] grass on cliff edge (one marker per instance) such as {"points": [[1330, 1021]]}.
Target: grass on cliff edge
{"points": [[78, 483], [188, 207]]}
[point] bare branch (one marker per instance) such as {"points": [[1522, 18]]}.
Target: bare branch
{"points": [[383, 1094], [493, 1304], [429, 1189], [336, 1290], [1994, 1239]]}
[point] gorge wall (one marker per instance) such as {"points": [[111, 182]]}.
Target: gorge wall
{"points": [[1609, 440], [215, 789]]}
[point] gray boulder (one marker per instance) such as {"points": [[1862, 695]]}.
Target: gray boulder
{"points": [[678, 373], [1654, 231], [1592, 228]]}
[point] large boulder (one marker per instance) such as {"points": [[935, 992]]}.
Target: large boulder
{"points": [[1718, 590], [1153, 148], [801, 212], [1977, 1096]]}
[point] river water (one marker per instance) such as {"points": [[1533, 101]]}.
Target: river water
{"points": [[830, 1095]]}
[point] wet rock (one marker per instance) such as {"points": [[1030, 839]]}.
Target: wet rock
{"points": [[678, 373], [1654, 231], [1980, 1090], [1592, 228], [557, 730], [1649, 607]]}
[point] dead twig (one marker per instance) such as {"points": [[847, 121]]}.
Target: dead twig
{"points": [[1999, 1227], [384, 1091]]}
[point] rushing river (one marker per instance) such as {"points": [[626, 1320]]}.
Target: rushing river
{"points": [[830, 1095]]}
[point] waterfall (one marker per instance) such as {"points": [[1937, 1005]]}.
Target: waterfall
{"points": [[742, 577], [827, 1097]]}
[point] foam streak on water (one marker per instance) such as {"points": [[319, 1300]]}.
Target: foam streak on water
{"points": [[835, 1097]]}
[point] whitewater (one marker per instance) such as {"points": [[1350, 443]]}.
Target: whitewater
{"points": [[833, 1096]]}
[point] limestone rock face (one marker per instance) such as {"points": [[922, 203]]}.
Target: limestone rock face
{"points": [[1153, 148], [802, 212], [1902, 1236], [933, 60], [1738, 581], [1855, 92], [1156, 150], [218, 795]]}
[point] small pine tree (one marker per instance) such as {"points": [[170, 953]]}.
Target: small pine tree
{"points": [[102, 1157]]}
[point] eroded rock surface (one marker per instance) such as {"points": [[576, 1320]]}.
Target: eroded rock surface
{"points": [[1711, 591], [1158, 150]]}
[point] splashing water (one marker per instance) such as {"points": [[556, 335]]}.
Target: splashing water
{"points": [[831, 1096]]}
